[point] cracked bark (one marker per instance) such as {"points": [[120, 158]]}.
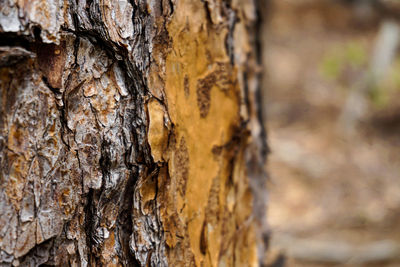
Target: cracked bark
{"points": [[130, 134]]}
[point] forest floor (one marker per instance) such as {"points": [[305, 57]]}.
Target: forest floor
{"points": [[334, 198]]}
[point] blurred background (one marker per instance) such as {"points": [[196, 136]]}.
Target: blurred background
{"points": [[332, 96]]}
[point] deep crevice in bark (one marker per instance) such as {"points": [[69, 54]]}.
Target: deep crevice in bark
{"points": [[124, 222], [89, 225], [14, 39]]}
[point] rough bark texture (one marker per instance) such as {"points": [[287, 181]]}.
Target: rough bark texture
{"points": [[130, 133]]}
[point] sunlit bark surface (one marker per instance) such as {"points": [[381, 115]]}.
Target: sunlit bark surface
{"points": [[130, 133]]}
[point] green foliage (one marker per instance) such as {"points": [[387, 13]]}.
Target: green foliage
{"points": [[355, 54], [379, 96], [395, 75], [341, 58], [331, 66], [381, 93], [346, 63]]}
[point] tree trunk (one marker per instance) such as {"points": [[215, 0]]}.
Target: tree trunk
{"points": [[130, 133]]}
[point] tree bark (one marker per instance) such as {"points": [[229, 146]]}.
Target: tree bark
{"points": [[130, 133]]}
